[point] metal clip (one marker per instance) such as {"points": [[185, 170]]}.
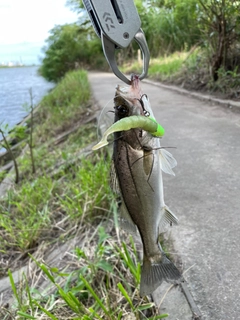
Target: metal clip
{"points": [[117, 23]]}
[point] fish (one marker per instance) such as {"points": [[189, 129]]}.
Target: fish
{"points": [[139, 160]]}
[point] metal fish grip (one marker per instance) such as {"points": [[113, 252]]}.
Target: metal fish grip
{"points": [[117, 23]]}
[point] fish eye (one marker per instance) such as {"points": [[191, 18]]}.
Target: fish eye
{"points": [[122, 111]]}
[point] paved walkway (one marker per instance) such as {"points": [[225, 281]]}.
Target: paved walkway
{"points": [[205, 194]]}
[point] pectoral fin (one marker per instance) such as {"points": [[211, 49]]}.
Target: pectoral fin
{"points": [[167, 161]]}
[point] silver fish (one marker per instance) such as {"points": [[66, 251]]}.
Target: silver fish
{"points": [[139, 160]]}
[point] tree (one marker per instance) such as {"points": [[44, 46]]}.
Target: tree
{"points": [[75, 5], [68, 47], [169, 25], [220, 22]]}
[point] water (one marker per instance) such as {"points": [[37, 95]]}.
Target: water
{"points": [[14, 92]]}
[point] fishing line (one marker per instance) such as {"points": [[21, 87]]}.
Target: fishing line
{"points": [[145, 155], [146, 113], [108, 121], [149, 176], [101, 122], [163, 148]]}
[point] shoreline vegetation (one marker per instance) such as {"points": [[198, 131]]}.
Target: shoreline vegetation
{"points": [[66, 209], [18, 66]]}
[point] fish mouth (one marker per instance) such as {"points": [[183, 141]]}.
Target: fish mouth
{"points": [[132, 92], [135, 81], [133, 99]]}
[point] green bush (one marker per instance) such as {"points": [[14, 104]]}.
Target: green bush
{"points": [[64, 104]]}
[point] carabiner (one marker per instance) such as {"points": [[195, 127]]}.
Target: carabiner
{"points": [[109, 51]]}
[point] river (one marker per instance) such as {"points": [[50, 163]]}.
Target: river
{"points": [[14, 92]]}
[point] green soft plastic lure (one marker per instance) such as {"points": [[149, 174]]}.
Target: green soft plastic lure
{"points": [[148, 124]]}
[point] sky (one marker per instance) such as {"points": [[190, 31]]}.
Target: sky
{"points": [[25, 24]]}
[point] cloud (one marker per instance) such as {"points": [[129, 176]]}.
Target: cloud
{"points": [[30, 21]]}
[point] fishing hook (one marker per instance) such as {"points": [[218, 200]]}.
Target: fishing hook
{"points": [[146, 113]]}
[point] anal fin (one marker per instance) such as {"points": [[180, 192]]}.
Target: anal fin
{"points": [[168, 219]]}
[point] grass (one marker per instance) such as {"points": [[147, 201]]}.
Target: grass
{"points": [[190, 69], [68, 202], [67, 101], [102, 286], [161, 68], [167, 67], [29, 210]]}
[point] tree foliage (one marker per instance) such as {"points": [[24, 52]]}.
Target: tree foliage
{"points": [[69, 47], [75, 5], [169, 26], [220, 26]]}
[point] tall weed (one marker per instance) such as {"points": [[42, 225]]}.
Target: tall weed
{"points": [[66, 103]]}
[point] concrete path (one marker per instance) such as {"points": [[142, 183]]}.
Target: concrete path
{"points": [[205, 194]]}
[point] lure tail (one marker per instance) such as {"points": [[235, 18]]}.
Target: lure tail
{"points": [[101, 143], [153, 274]]}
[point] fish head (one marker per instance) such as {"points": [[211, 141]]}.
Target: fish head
{"points": [[127, 100], [130, 101]]}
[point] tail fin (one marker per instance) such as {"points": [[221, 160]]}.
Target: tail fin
{"points": [[152, 275]]}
